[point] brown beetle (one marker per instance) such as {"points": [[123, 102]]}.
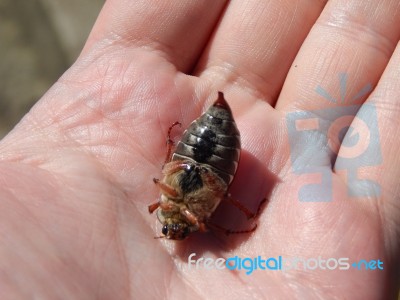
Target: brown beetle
{"points": [[197, 176]]}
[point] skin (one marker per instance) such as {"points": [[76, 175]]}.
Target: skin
{"points": [[76, 173]]}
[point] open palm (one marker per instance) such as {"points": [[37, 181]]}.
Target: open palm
{"points": [[76, 173]]}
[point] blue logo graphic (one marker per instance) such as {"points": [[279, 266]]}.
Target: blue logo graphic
{"points": [[344, 134], [373, 264], [280, 263]]}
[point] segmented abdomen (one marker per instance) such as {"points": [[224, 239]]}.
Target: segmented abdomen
{"points": [[212, 139]]}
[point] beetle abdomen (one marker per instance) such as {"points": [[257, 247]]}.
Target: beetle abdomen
{"points": [[212, 139]]}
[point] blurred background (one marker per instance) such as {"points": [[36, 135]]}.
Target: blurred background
{"points": [[39, 40]]}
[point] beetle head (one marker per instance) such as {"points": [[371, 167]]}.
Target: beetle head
{"points": [[176, 231]]}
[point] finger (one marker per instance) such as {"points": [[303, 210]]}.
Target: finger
{"points": [[355, 38], [176, 29], [374, 169], [341, 59], [255, 43]]}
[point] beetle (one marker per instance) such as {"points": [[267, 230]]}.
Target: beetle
{"points": [[198, 173]]}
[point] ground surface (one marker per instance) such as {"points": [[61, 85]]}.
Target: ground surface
{"points": [[39, 40]]}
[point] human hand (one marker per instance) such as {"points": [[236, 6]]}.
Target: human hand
{"points": [[76, 172]]}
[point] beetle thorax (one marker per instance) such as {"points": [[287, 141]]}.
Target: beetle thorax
{"points": [[198, 188]]}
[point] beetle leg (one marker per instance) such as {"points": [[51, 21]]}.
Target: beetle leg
{"points": [[259, 206], [243, 208], [166, 206], [170, 143], [173, 167], [192, 218], [203, 227], [228, 231], [166, 188], [153, 207], [189, 215], [240, 206]]}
